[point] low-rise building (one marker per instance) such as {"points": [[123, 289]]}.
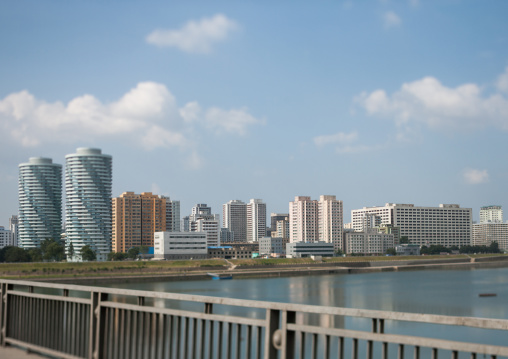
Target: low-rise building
{"points": [[273, 246], [180, 245], [371, 241], [308, 249], [230, 252], [408, 250]]}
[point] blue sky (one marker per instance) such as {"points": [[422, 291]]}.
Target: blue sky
{"points": [[372, 101]]}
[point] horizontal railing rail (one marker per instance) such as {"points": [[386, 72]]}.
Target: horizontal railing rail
{"points": [[73, 321]]}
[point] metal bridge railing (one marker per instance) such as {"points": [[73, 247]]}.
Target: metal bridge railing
{"points": [[72, 321]]}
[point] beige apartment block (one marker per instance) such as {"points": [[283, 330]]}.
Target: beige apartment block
{"points": [[313, 221], [136, 217]]}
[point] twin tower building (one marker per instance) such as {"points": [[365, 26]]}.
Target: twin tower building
{"points": [[88, 190]]}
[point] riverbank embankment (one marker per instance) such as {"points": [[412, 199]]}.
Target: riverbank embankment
{"points": [[288, 270]]}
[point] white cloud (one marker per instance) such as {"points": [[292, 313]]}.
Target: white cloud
{"points": [[147, 116], [430, 104], [473, 176], [502, 81], [195, 36], [343, 142], [391, 19], [232, 121], [414, 3]]}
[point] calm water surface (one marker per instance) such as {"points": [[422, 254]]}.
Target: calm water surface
{"points": [[446, 292]]}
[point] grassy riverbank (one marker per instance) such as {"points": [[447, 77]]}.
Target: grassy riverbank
{"points": [[45, 271]]}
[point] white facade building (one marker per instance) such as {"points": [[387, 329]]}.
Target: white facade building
{"points": [[313, 221], [6, 237], [446, 225], [370, 241], [305, 250], [180, 245], [40, 202], [234, 217], [256, 220], [493, 214], [212, 229], [330, 221], [88, 180], [486, 233], [172, 214]]}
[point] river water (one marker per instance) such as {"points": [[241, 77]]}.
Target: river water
{"points": [[445, 292]]}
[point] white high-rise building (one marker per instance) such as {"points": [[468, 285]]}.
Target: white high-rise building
{"points": [[88, 180], [491, 214], [172, 214], [447, 225], [234, 217], [40, 202], [5, 237], [330, 221], [303, 220], [313, 221], [256, 220], [486, 233]]}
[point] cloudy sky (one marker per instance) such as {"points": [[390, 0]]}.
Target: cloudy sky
{"points": [[372, 101]]}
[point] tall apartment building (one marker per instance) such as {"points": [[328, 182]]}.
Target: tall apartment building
{"points": [[172, 215], [446, 225], [256, 220], [303, 220], [88, 181], [313, 221], [234, 217], [330, 221], [492, 214], [13, 227], [40, 202], [136, 217]]}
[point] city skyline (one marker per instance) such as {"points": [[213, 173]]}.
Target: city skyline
{"points": [[374, 102]]}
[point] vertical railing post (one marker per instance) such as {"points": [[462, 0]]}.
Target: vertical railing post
{"points": [[97, 331], [2, 315], [288, 337], [5, 310], [272, 341]]}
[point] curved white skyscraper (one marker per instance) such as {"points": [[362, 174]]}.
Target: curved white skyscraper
{"points": [[88, 179], [40, 201]]}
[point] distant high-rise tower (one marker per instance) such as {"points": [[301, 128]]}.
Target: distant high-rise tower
{"points": [[256, 220], [88, 180], [40, 202], [13, 227], [234, 217], [491, 214]]}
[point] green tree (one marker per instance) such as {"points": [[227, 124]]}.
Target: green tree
{"points": [[143, 249], [70, 252], [391, 251], [87, 254], [16, 254], [112, 256], [339, 253], [35, 254], [133, 252], [54, 252]]}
